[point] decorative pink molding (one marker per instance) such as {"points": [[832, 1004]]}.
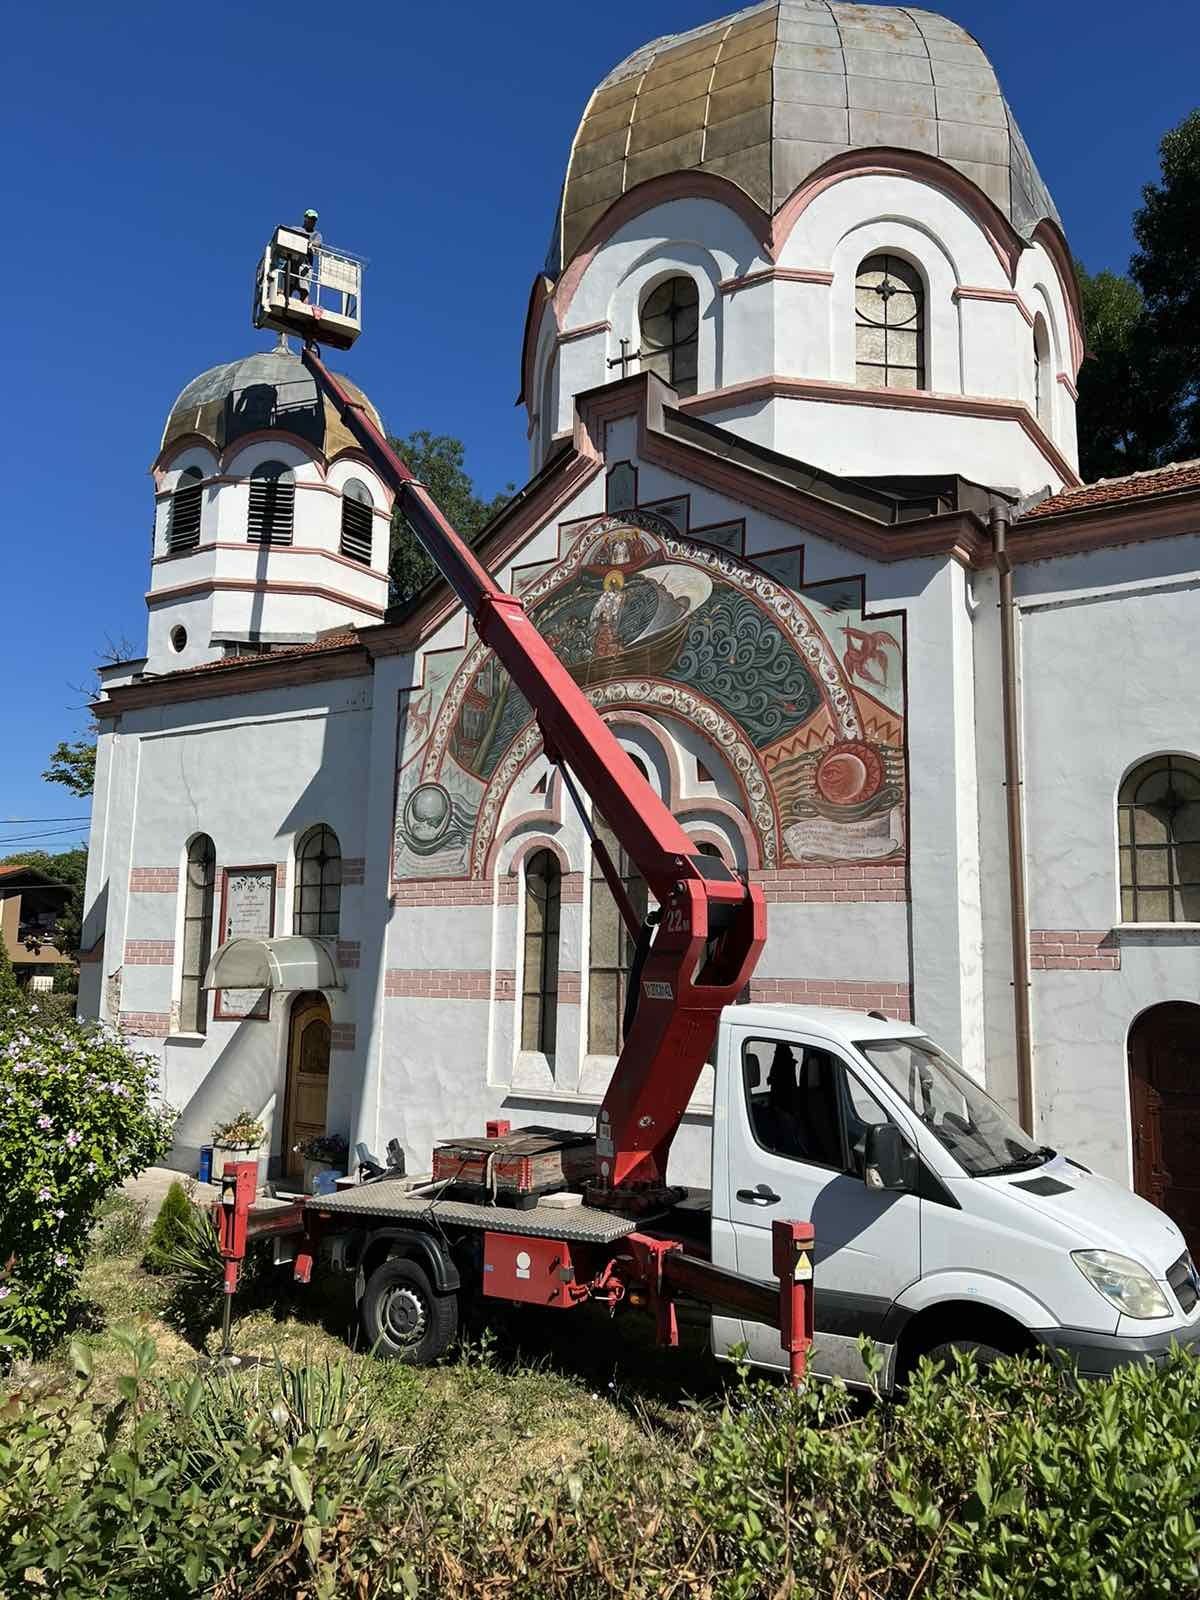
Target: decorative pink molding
{"points": [[894, 999], [967, 291], [775, 275], [570, 334], [153, 880], [149, 952], [250, 585], [276, 550], [1073, 950], [777, 387], [1065, 380]]}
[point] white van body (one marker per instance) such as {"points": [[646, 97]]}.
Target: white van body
{"points": [[1043, 1252]]}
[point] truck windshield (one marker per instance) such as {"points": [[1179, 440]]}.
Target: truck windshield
{"points": [[981, 1137]]}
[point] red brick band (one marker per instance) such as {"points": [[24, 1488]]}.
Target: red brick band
{"points": [[342, 1035], [569, 988], [443, 892], [349, 953], [153, 880], [830, 884], [1073, 950], [436, 983], [894, 999], [149, 952], [353, 869], [146, 1024]]}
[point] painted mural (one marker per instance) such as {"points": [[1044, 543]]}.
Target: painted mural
{"points": [[800, 693]]}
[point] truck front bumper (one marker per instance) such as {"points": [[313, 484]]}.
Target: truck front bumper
{"points": [[1098, 1355]]}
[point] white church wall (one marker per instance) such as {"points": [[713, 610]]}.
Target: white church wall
{"points": [[1105, 685]]}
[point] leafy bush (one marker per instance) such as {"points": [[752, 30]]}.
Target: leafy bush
{"points": [[243, 1132], [77, 1115], [170, 1227], [10, 990], [121, 1230]]}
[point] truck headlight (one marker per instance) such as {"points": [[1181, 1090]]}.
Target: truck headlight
{"points": [[1124, 1283]]}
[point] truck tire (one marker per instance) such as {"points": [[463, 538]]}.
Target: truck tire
{"points": [[986, 1355], [402, 1316]]}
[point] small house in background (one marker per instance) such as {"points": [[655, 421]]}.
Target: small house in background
{"points": [[31, 907]]}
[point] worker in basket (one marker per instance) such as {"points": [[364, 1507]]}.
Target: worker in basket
{"points": [[296, 277]]}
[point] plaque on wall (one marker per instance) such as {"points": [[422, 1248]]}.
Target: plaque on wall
{"points": [[247, 912]]}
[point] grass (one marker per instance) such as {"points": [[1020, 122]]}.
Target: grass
{"points": [[534, 1392]]}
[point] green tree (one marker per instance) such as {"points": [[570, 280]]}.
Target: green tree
{"points": [[67, 866], [1166, 268], [73, 764], [1125, 414], [10, 990], [436, 460]]}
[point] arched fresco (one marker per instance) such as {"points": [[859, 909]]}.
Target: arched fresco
{"points": [[803, 698]]}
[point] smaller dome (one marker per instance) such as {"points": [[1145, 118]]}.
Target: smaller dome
{"points": [[271, 389]]}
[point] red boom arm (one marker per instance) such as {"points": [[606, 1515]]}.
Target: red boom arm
{"points": [[712, 926]]}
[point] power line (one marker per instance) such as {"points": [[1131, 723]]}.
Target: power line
{"points": [[57, 833], [7, 822]]}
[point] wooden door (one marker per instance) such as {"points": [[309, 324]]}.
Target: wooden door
{"points": [[307, 1077], [1164, 1074]]}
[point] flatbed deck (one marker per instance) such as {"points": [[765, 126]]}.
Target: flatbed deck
{"points": [[394, 1198]]}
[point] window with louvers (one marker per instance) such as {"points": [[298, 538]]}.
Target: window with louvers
{"points": [[183, 529], [358, 521], [272, 504]]}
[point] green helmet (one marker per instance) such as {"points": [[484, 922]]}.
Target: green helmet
{"points": [[310, 213]]}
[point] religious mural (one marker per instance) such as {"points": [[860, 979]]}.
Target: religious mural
{"points": [[801, 695]]}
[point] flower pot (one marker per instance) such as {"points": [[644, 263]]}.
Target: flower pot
{"points": [[312, 1169], [224, 1152]]}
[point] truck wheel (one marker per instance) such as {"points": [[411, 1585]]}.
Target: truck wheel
{"points": [[986, 1355], [402, 1316]]}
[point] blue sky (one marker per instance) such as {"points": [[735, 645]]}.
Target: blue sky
{"points": [[151, 147]]}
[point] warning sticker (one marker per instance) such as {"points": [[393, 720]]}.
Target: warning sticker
{"points": [[802, 1271], [657, 991]]}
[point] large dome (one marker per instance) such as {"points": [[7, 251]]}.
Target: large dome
{"points": [[766, 96], [269, 390]]}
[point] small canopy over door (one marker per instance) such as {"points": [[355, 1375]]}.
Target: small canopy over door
{"points": [[287, 965]]}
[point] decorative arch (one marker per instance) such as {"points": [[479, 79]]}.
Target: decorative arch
{"points": [[802, 701]]}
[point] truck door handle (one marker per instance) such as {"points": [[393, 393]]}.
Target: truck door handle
{"points": [[761, 1196]]}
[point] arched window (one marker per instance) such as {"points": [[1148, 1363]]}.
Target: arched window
{"points": [[199, 877], [889, 331], [671, 333], [1158, 830], [272, 504], [539, 995], [183, 528], [611, 946], [317, 901], [358, 521], [547, 409], [1041, 372]]}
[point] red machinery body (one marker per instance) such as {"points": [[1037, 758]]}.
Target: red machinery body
{"points": [[711, 927]]}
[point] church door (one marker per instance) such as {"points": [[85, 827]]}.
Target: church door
{"points": [[1164, 1076], [307, 1079]]}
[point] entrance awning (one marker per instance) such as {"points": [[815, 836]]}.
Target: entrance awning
{"points": [[286, 965]]}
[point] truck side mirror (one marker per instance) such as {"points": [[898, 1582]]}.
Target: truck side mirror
{"points": [[889, 1161]]}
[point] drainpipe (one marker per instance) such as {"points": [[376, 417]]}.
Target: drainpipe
{"points": [[999, 520]]}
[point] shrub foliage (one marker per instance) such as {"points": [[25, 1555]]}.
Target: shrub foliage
{"points": [[1019, 1484], [77, 1115]]}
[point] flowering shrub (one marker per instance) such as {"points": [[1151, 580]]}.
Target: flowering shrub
{"points": [[78, 1113], [243, 1132]]}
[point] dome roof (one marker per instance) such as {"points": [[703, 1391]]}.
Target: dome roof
{"points": [[271, 389], [766, 96]]}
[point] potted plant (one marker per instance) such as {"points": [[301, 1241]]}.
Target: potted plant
{"points": [[324, 1152], [240, 1139]]}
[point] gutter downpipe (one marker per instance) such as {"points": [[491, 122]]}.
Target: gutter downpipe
{"points": [[999, 519]]}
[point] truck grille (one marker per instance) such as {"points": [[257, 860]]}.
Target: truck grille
{"points": [[1181, 1275]]}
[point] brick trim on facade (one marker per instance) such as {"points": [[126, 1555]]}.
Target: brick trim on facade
{"points": [[504, 985], [149, 952], [146, 1024], [829, 884], [349, 953], [444, 892], [342, 1035], [1073, 950], [436, 983], [569, 987], [354, 869], [894, 999], [153, 880]]}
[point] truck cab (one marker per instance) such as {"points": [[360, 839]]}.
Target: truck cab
{"points": [[938, 1221]]}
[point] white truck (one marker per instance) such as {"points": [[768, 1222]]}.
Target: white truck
{"points": [[938, 1221]]}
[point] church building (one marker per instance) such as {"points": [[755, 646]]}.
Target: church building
{"points": [[804, 519]]}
